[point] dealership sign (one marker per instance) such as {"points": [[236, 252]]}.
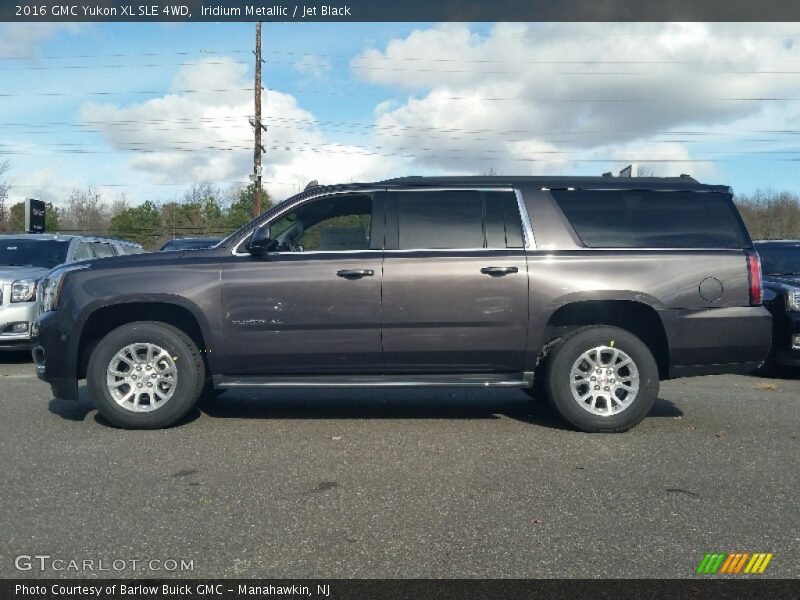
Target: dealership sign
{"points": [[34, 216]]}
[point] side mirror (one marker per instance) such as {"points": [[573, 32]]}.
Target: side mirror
{"points": [[261, 241]]}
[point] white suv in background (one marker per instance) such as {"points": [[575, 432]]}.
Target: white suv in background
{"points": [[27, 257]]}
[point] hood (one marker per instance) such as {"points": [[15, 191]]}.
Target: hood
{"points": [[782, 281], [8, 274]]}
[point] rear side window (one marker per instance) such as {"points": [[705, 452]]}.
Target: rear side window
{"points": [[455, 220], [619, 219], [102, 250]]}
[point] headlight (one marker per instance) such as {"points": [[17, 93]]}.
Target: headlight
{"points": [[23, 290], [793, 299], [50, 287]]}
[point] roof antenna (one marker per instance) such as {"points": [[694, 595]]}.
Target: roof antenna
{"points": [[312, 184], [632, 170]]}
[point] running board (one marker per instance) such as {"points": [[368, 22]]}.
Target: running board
{"points": [[473, 380]]}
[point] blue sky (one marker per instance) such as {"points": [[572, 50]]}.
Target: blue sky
{"points": [[139, 106]]}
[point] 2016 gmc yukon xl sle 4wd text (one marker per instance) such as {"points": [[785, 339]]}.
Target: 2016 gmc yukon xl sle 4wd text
{"points": [[593, 288]]}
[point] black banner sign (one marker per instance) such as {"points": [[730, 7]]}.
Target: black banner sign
{"points": [[373, 589], [407, 10]]}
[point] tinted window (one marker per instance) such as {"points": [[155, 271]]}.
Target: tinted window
{"points": [[440, 220], [334, 223], [779, 260], [457, 219], [35, 253], [102, 250], [622, 219], [503, 223]]}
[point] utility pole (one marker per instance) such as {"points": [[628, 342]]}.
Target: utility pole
{"points": [[258, 127]]}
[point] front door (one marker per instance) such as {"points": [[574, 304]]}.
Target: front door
{"points": [[313, 305], [455, 283]]}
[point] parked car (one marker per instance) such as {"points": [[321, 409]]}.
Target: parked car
{"points": [[190, 243], [595, 288], [780, 261], [24, 260]]}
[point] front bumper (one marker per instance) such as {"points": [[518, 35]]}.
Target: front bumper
{"points": [[53, 356], [17, 314], [785, 326]]}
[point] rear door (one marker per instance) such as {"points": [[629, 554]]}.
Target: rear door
{"points": [[455, 283]]}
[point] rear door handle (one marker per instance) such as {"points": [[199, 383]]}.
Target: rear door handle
{"points": [[355, 273], [499, 270]]}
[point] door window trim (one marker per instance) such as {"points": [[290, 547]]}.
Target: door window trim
{"points": [[529, 242]]}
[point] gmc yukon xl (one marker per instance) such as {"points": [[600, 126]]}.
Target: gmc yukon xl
{"points": [[586, 291]]}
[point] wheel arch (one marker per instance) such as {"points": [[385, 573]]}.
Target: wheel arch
{"points": [[637, 317], [103, 319]]}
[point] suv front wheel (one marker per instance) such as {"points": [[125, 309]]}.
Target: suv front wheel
{"points": [[145, 375], [602, 379]]}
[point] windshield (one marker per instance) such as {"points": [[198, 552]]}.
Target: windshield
{"points": [[779, 260], [33, 253]]}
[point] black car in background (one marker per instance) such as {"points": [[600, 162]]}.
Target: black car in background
{"points": [[780, 264], [190, 243]]}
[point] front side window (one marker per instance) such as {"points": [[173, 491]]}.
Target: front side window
{"points": [[331, 224], [456, 220], [82, 252]]}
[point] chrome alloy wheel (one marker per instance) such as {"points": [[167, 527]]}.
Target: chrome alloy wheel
{"points": [[141, 377], [604, 381]]}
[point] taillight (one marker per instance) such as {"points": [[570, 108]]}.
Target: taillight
{"points": [[754, 277]]}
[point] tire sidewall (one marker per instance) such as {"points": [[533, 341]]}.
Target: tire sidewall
{"points": [[560, 367], [175, 408]]}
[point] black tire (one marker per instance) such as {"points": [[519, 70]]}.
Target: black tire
{"points": [[558, 379], [188, 383]]}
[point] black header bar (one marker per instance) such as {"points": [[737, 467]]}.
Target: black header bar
{"points": [[399, 10]]}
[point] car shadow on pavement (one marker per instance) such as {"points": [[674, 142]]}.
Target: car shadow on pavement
{"points": [[16, 357], [362, 404], [395, 404]]}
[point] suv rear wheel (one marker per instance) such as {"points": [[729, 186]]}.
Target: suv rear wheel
{"points": [[602, 379], [145, 375]]}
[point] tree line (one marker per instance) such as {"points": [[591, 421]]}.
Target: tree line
{"points": [[203, 211], [207, 211]]}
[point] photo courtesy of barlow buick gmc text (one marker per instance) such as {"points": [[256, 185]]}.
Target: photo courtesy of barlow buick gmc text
{"points": [[422, 300]]}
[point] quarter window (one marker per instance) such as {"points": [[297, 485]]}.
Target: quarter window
{"points": [[619, 219]]}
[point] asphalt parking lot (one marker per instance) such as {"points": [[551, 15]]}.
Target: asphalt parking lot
{"points": [[434, 483]]}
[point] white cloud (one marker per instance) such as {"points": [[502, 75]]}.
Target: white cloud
{"points": [[23, 40], [538, 98], [197, 133]]}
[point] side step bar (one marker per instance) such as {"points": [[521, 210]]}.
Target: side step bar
{"points": [[349, 381]]}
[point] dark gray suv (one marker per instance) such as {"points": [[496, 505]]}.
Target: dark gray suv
{"points": [[590, 288]]}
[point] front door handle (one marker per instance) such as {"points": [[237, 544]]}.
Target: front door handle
{"points": [[499, 271], [355, 273]]}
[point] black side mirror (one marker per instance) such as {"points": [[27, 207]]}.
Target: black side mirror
{"points": [[261, 241]]}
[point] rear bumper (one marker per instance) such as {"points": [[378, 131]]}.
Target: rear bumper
{"points": [[52, 356], [717, 340]]}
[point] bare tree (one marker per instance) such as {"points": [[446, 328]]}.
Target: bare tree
{"points": [[86, 212], [771, 215], [5, 186]]}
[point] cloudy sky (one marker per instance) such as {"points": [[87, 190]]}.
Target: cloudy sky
{"points": [[149, 109]]}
